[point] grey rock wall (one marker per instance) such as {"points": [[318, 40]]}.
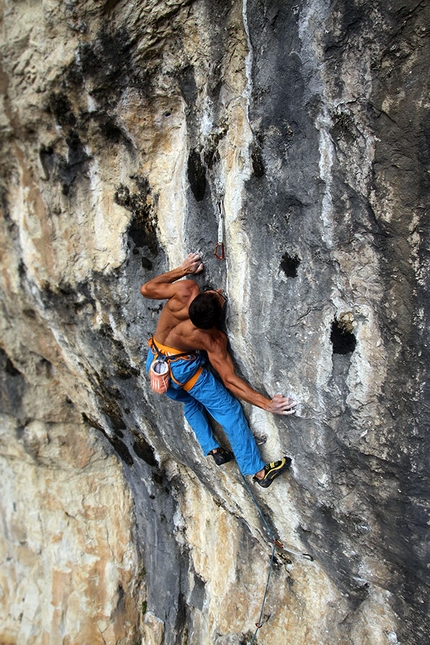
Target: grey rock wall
{"points": [[124, 127]]}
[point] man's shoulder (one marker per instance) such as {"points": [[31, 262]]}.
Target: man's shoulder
{"points": [[186, 288], [214, 340], [184, 292]]}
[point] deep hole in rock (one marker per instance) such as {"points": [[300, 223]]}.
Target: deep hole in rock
{"points": [[146, 263], [111, 131], [145, 451], [121, 450], [343, 341], [142, 228], [257, 161], [47, 159], [11, 369], [60, 107], [289, 265], [196, 175]]}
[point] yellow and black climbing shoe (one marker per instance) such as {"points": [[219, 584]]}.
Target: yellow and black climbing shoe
{"points": [[272, 471], [221, 456]]}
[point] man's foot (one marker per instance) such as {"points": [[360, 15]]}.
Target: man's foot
{"points": [[272, 471], [221, 456]]}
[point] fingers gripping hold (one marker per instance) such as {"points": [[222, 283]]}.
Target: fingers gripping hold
{"points": [[193, 263], [283, 404]]}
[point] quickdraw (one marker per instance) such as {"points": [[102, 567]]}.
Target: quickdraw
{"points": [[273, 538], [219, 252], [264, 620], [261, 622], [305, 556]]}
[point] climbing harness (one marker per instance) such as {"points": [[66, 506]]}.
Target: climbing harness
{"points": [[160, 372], [276, 544], [219, 252]]}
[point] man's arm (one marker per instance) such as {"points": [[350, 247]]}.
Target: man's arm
{"points": [[221, 360], [161, 287]]}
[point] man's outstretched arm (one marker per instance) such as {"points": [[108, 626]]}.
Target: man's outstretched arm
{"points": [[160, 287], [221, 360]]}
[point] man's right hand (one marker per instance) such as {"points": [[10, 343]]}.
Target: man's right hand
{"points": [[282, 405], [161, 287], [192, 263]]}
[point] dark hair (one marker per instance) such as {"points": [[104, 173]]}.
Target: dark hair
{"points": [[206, 310]]}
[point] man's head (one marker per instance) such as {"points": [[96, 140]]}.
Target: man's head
{"points": [[207, 310]]}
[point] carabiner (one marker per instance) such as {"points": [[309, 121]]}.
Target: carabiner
{"points": [[220, 255]]}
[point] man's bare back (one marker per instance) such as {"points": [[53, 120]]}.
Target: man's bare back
{"points": [[176, 330]]}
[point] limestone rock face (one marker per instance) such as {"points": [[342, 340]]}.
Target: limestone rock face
{"points": [[69, 569], [129, 130]]}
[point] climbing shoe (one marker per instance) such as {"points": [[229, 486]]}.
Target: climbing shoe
{"points": [[221, 456], [272, 471]]}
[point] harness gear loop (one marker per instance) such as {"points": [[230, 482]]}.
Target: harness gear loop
{"points": [[219, 252]]}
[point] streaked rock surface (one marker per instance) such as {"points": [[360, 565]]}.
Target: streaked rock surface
{"points": [[124, 126]]}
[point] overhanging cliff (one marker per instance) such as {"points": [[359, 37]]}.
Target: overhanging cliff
{"points": [[124, 127]]}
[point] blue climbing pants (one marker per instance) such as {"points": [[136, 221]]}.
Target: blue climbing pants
{"points": [[209, 394]]}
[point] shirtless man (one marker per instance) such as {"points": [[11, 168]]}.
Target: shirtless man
{"points": [[189, 322]]}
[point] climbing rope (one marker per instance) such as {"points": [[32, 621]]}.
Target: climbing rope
{"points": [[275, 540], [260, 619], [276, 543]]}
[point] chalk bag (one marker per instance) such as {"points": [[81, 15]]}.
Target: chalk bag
{"points": [[159, 376]]}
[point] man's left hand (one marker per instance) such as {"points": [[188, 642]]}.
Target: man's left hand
{"points": [[282, 405]]}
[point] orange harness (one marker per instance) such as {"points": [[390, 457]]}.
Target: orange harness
{"points": [[173, 356]]}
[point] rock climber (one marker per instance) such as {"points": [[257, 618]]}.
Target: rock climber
{"points": [[190, 321]]}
